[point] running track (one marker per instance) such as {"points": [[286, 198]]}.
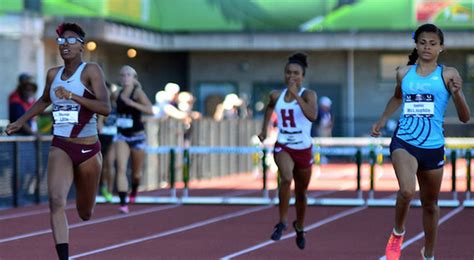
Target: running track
{"points": [[230, 232]]}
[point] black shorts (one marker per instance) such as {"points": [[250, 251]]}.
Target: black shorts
{"points": [[428, 159]]}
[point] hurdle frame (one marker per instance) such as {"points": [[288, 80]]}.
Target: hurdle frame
{"points": [[372, 148]]}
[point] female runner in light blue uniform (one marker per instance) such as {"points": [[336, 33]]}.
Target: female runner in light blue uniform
{"points": [[417, 149]]}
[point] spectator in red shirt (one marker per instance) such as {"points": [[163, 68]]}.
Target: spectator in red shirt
{"points": [[20, 101]]}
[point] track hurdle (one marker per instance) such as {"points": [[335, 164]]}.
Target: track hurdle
{"points": [[172, 198], [257, 200], [468, 202], [454, 202]]}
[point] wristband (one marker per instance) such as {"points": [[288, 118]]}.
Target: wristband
{"points": [[70, 95]]}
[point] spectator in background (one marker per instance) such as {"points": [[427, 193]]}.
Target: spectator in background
{"points": [[229, 108], [325, 120], [185, 105], [20, 101]]}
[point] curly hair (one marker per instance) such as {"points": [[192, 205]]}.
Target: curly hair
{"points": [[300, 59]]}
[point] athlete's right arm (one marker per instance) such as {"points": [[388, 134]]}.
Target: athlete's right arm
{"points": [[268, 113], [393, 103], [38, 107]]}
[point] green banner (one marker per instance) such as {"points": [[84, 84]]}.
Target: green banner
{"points": [[264, 15], [10, 6]]}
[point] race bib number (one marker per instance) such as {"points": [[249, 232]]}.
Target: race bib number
{"points": [[66, 114], [109, 130], [419, 105], [291, 137], [124, 122]]}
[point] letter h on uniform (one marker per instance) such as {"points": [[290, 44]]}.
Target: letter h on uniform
{"points": [[287, 115]]}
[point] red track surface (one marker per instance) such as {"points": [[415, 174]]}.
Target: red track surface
{"points": [[213, 232]]}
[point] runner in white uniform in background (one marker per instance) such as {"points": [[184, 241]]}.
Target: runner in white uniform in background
{"points": [[296, 109]]}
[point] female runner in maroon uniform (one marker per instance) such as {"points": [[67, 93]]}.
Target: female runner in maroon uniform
{"points": [[296, 109], [77, 91]]}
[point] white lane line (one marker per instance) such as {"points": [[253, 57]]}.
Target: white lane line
{"points": [[239, 193], [310, 227], [31, 213], [188, 227], [420, 235], [43, 211], [174, 231], [92, 222], [96, 221]]}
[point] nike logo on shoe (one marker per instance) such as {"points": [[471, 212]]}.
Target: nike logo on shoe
{"points": [[86, 151]]}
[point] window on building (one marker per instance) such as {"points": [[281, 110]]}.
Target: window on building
{"points": [[470, 68], [388, 65]]}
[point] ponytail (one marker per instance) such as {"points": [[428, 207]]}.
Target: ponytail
{"points": [[412, 57]]}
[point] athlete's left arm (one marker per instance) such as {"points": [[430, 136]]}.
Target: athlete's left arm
{"points": [[143, 104], [455, 87], [308, 104], [94, 78]]}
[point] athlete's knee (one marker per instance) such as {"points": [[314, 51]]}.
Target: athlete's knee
{"points": [[406, 194], [121, 169], [300, 195], [57, 203], [431, 207], [85, 214], [285, 182]]}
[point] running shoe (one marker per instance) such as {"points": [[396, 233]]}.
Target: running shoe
{"points": [[394, 245], [106, 194], [300, 239], [277, 230], [124, 209], [423, 255]]}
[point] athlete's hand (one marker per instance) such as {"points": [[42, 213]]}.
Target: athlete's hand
{"points": [[262, 136], [455, 84], [376, 128], [13, 128], [127, 100], [293, 88], [61, 92]]}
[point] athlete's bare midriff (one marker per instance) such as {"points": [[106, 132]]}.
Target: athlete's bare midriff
{"points": [[81, 140]]}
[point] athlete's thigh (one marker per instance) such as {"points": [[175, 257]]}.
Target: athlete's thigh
{"points": [[430, 183], [405, 166], [285, 164], [122, 150], [86, 178], [60, 173], [109, 157], [111, 152]]}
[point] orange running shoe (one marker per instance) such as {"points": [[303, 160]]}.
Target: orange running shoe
{"points": [[394, 247]]}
